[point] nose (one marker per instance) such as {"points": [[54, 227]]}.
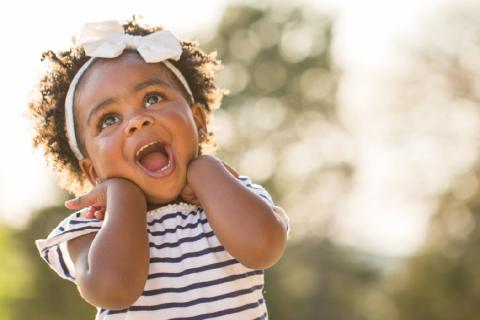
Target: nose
{"points": [[138, 121]]}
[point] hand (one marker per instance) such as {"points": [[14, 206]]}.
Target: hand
{"points": [[96, 199], [187, 193]]}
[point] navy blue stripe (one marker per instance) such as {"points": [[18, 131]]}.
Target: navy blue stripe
{"points": [[117, 311], [102, 310], [261, 191], [45, 256], [203, 284], [173, 215], [83, 221], [173, 230], [265, 197], [223, 312], [188, 255], [179, 242], [192, 270], [62, 264], [192, 302], [78, 229], [257, 187]]}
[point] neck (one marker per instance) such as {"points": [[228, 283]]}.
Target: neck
{"points": [[152, 206]]}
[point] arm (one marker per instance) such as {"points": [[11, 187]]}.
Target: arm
{"points": [[247, 226], [112, 266]]}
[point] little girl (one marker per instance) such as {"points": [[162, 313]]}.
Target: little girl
{"points": [[163, 231]]}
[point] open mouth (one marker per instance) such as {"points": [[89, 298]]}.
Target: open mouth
{"points": [[155, 158]]}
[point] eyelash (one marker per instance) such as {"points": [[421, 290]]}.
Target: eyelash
{"points": [[154, 93], [105, 117], [110, 115]]}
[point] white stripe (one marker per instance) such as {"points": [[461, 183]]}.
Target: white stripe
{"points": [[201, 308], [209, 275], [210, 291], [189, 262]]}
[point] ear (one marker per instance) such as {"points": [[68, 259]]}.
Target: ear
{"points": [[200, 117], [88, 169]]}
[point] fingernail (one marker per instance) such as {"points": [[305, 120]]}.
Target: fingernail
{"points": [[68, 203]]}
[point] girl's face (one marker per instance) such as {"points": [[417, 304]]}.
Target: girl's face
{"points": [[136, 124]]}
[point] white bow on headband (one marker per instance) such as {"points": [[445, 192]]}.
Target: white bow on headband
{"points": [[108, 40]]}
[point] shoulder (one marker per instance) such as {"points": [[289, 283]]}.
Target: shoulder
{"points": [[53, 248], [256, 188], [264, 194]]}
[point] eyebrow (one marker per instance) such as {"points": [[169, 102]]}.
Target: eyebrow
{"points": [[142, 85], [98, 107], [150, 82]]}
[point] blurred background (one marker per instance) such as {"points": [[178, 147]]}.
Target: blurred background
{"points": [[360, 117]]}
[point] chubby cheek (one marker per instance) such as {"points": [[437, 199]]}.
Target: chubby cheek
{"points": [[105, 153], [184, 132]]}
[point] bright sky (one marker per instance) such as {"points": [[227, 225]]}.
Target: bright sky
{"points": [[367, 33]]}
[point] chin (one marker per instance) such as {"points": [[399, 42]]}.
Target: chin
{"points": [[157, 200], [166, 193]]}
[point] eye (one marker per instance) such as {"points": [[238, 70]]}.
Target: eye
{"points": [[152, 98], [108, 120]]}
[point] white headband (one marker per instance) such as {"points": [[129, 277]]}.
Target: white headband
{"points": [[108, 40]]}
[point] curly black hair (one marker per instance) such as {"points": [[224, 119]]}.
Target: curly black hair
{"points": [[48, 112]]}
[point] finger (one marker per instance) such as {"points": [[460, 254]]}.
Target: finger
{"points": [[194, 201], [86, 200], [100, 214], [190, 198], [187, 194], [90, 213]]}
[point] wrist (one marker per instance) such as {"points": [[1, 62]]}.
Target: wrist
{"points": [[125, 191]]}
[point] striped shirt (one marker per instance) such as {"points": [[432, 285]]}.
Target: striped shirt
{"points": [[191, 275]]}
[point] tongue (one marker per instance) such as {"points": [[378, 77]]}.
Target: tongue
{"points": [[154, 161]]}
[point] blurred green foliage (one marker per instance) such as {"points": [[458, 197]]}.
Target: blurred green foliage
{"points": [[282, 87], [319, 280], [47, 295], [15, 273], [440, 281]]}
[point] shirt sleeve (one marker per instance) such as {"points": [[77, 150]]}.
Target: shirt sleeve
{"points": [[53, 249], [260, 191], [256, 188]]}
